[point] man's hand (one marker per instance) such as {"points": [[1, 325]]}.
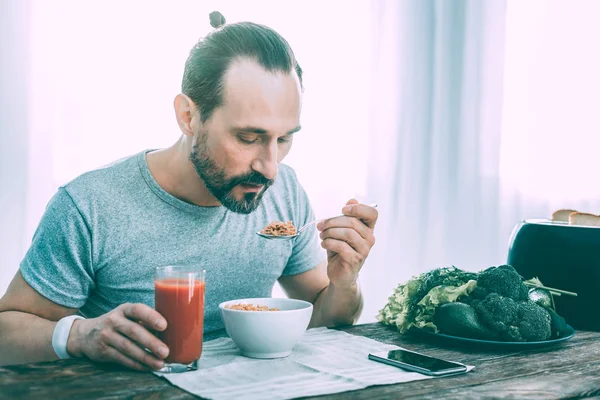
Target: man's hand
{"points": [[120, 336], [348, 241]]}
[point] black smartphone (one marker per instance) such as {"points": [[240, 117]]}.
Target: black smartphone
{"points": [[418, 362]]}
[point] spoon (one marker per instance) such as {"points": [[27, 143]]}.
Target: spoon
{"points": [[302, 228]]}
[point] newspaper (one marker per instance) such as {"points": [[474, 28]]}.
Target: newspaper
{"points": [[325, 361]]}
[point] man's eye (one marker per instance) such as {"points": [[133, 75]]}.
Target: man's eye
{"points": [[284, 139], [247, 140]]}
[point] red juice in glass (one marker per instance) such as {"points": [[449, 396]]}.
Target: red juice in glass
{"points": [[179, 297]]}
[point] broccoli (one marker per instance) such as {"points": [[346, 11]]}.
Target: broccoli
{"points": [[471, 300], [503, 280], [449, 276], [515, 321], [497, 312], [534, 322]]}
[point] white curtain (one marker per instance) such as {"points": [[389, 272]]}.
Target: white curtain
{"points": [[435, 134], [551, 125], [14, 141]]}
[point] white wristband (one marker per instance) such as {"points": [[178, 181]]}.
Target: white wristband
{"points": [[61, 335]]}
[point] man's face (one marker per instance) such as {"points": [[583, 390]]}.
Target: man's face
{"points": [[222, 187], [237, 151]]}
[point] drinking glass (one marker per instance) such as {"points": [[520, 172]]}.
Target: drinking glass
{"points": [[179, 298]]}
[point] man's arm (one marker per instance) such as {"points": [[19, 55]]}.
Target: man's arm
{"points": [[333, 306], [333, 286], [27, 322]]}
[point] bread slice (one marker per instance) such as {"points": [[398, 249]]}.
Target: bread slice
{"points": [[562, 215], [577, 218]]}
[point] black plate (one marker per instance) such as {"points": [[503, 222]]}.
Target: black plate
{"points": [[493, 343]]}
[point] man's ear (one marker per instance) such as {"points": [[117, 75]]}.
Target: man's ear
{"points": [[186, 113]]}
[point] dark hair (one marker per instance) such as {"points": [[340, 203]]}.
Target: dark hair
{"points": [[210, 58]]}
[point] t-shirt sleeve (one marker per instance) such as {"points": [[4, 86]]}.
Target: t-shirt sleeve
{"points": [[307, 252], [58, 264]]}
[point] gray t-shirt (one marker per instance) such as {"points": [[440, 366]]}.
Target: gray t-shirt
{"points": [[103, 234]]}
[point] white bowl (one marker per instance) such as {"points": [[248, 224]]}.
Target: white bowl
{"points": [[267, 334]]}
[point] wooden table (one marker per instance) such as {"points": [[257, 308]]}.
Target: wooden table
{"points": [[568, 370]]}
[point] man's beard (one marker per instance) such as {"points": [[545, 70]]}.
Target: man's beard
{"points": [[220, 187]]}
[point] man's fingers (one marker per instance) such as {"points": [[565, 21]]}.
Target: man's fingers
{"points": [[343, 249], [347, 223], [350, 236], [140, 335], [112, 354], [141, 312], [132, 351], [363, 212]]}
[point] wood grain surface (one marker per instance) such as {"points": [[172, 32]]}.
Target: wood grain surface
{"points": [[570, 370]]}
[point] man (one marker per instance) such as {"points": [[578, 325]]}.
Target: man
{"points": [[198, 202]]}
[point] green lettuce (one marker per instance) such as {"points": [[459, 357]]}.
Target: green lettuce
{"points": [[437, 296], [413, 303]]}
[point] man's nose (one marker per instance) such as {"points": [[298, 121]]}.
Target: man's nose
{"points": [[267, 164]]}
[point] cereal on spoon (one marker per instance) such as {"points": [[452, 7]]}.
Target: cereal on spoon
{"points": [[278, 228]]}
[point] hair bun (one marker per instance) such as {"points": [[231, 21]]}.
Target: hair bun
{"points": [[216, 19]]}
